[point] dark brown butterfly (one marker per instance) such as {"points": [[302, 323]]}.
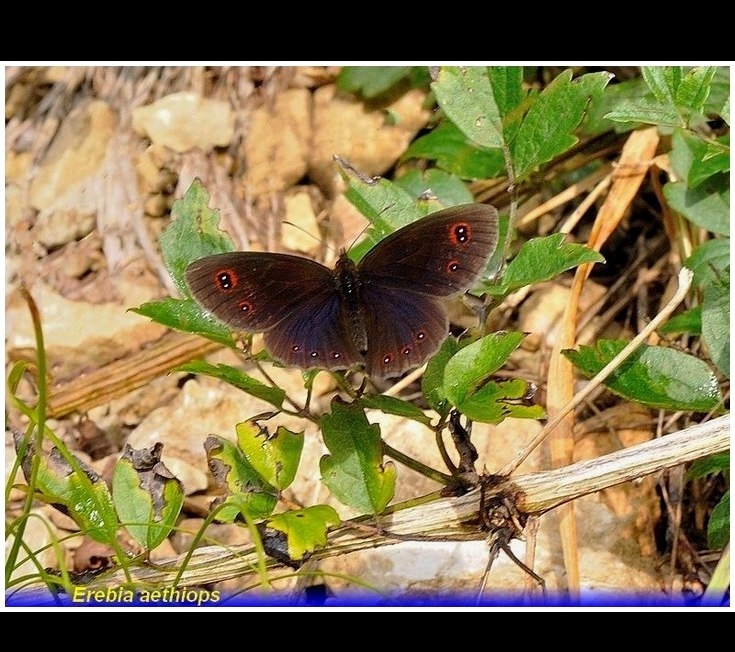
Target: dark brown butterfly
{"points": [[385, 313]]}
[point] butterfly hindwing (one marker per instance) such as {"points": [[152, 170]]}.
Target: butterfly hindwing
{"points": [[439, 255], [403, 329], [314, 335]]}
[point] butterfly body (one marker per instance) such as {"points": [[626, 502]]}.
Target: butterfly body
{"points": [[385, 313]]}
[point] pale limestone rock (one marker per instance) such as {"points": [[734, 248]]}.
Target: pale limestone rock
{"points": [[184, 121], [202, 408], [277, 143], [64, 188], [77, 335], [345, 126], [301, 232]]}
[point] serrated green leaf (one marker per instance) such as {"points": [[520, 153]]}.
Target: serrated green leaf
{"points": [[547, 130], [384, 203], [541, 259], [496, 401], [507, 85], [396, 406], [707, 205], [713, 464], [237, 378], [249, 493], [453, 152], [695, 159], [354, 470], [472, 365], [663, 82], [654, 376], [147, 497], [694, 88], [718, 528], [449, 190], [709, 259], [718, 101], [432, 383], [716, 321], [648, 112], [305, 529], [371, 81], [274, 458], [689, 321], [466, 96], [192, 235], [615, 98], [72, 487], [186, 315]]}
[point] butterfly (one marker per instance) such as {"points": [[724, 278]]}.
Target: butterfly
{"points": [[385, 313]]}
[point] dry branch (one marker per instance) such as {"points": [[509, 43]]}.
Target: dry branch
{"points": [[455, 518]]}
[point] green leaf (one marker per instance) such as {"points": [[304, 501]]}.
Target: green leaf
{"points": [[188, 316], [248, 492], [707, 205], [663, 82], [496, 401], [384, 203], [147, 496], [716, 321], [305, 529], [694, 88], [689, 321], [475, 363], [274, 458], [718, 102], [507, 84], [354, 470], [709, 260], [725, 112], [193, 234], [655, 376], [453, 152], [646, 111], [677, 96], [547, 130], [466, 96], [713, 464], [72, 487], [396, 406], [371, 81], [541, 259], [718, 528], [448, 189], [432, 384], [615, 98], [237, 378], [695, 159]]}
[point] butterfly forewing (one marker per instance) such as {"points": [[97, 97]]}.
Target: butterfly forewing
{"points": [[255, 291], [439, 255]]}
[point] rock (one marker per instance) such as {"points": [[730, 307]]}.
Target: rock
{"points": [[277, 143], [77, 335], [184, 121], [39, 536], [203, 407], [541, 314], [301, 233], [347, 127], [63, 190]]}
